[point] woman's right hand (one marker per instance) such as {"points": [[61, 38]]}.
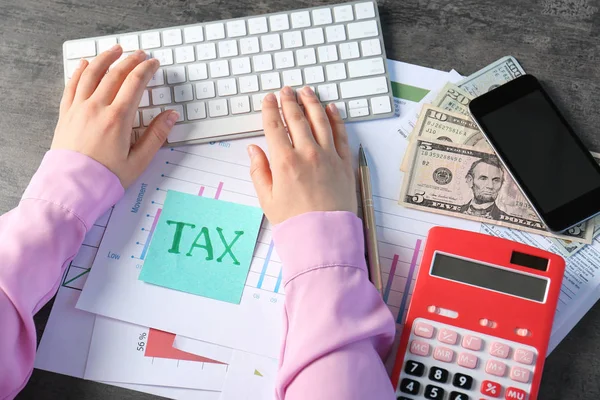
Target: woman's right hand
{"points": [[310, 169]]}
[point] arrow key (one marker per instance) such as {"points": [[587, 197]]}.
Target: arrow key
{"points": [[424, 330]]}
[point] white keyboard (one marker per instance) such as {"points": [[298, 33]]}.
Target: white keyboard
{"points": [[216, 74]]}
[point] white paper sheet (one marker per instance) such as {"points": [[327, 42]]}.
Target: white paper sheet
{"points": [[250, 377]]}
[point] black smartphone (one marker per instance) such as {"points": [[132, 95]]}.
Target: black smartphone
{"points": [[539, 149]]}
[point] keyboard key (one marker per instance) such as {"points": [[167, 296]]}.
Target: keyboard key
{"points": [[129, 42], [364, 10], [322, 16], [161, 96], [165, 56], [150, 40], [196, 110], [262, 63], [236, 28], [71, 67], [239, 105], [172, 37], [500, 350], [228, 48], [341, 106], [217, 108], [257, 100], [285, 59], [417, 347], [343, 13], [197, 72], [370, 66], [184, 54], [215, 31], [335, 33], [145, 100], [226, 87], [248, 84], [306, 57], [491, 389], [240, 66], [443, 354], [409, 386], [523, 356], [292, 39], [249, 45], [363, 87], [496, 368], [520, 374], [136, 120], [445, 335], [270, 42], [206, 51], [179, 110], [279, 22], [270, 81], [205, 90], [216, 128], [462, 381], [193, 34], [327, 53], [157, 79], [175, 75], [458, 396], [149, 114], [414, 368], [433, 392], [219, 69], [335, 72], [349, 50], [106, 43], [257, 25], [313, 36], [515, 394], [314, 75], [300, 19], [438, 374], [471, 342], [328, 92], [292, 77], [365, 29], [183, 93], [467, 360], [370, 47]]}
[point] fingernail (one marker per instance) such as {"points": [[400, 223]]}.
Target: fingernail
{"points": [[172, 118], [116, 47], [251, 151], [140, 53], [270, 98], [81, 62], [287, 91], [333, 108], [308, 91]]}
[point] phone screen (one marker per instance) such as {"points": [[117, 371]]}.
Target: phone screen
{"points": [[540, 151]]}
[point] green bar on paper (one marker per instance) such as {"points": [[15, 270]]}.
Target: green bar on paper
{"points": [[202, 246], [407, 92]]}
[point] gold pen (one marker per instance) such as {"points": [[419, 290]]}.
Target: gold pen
{"points": [[366, 198]]}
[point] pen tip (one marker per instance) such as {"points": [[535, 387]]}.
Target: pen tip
{"points": [[362, 158]]}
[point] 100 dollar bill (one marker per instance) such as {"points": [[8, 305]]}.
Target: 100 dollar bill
{"points": [[497, 73], [465, 182]]}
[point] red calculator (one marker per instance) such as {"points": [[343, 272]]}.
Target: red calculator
{"points": [[479, 320]]}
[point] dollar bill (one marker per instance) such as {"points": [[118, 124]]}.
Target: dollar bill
{"points": [[454, 99], [497, 73], [466, 182]]}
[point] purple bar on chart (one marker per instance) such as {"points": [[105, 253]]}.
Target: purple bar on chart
{"points": [[156, 217], [201, 191], [265, 265], [219, 188], [388, 286], [409, 278]]}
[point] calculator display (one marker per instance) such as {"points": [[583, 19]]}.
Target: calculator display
{"points": [[489, 277]]}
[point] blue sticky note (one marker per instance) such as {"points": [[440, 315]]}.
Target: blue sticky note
{"points": [[202, 246]]}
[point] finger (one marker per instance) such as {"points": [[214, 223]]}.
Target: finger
{"points": [[260, 172], [275, 132], [71, 86], [131, 91], [317, 118], [95, 72], [110, 85], [151, 141], [297, 125], [340, 136]]}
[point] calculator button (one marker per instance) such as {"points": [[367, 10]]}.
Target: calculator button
{"points": [[434, 392], [515, 394], [523, 356], [409, 386], [424, 330], [419, 348], [443, 354], [402, 398], [414, 368], [491, 389], [467, 360], [499, 349], [494, 367], [458, 396], [520, 374], [462, 381], [438, 374], [471, 342], [447, 336]]}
